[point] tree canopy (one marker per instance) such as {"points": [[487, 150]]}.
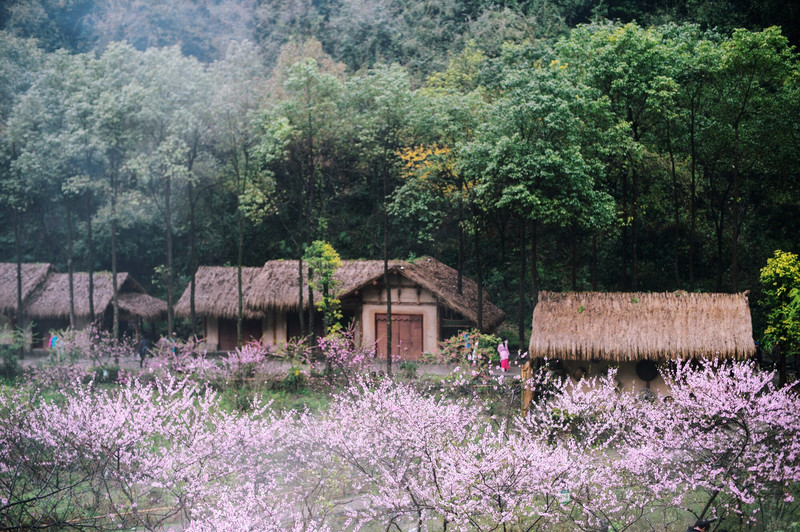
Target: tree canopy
{"points": [[533, 146]]}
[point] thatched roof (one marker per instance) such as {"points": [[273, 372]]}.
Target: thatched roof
{"points": [[442, 280], [144, 306], [276, 285], [216, 293], [634, 326], [32, 276], [51, 299]]}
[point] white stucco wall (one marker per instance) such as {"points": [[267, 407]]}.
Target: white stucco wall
{"points": [[211, 331], [274, 328], [406, 299], [626, 374]]}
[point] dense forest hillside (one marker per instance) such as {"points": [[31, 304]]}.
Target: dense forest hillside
{"points": [[558, 145]]}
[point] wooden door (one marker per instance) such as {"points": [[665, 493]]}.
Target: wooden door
{"points": [[251, 330], [406, 336]]}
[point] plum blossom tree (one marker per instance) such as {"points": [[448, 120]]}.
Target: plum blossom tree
{"points": [[587, 457]]}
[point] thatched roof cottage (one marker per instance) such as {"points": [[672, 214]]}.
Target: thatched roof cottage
{"points": [[426, 305], [32, 275], [590, 331], [216, 301], [47, 302]]}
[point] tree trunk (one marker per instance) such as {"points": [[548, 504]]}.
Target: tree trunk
{"points": [[311, 318], [386, 280], [459, 282], [90, 255], [523, 248], [115, 294], [737, 211], [624, 236], [239, 260], [19, 315], [693, 197], [301, 312], [635, 231], [70, 267], [170, 276], [534, 266], [479, 280], [192, 258], [594, 262], [192, 238], [574, 266], [676, 210]]}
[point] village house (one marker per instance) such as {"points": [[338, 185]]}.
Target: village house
{"points": [[31, 275], [46, 301], [585, 333], [426, 304]]}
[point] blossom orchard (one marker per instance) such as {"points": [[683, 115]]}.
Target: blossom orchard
{"points": [[345, 358], [137, 457], [93, 343], [725, 445]]}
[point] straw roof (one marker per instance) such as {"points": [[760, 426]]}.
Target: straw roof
{"points": [[216, 293], [442, 280], [32, 276], [145, 306], [51, 299], [634, 326], [276, 285]]}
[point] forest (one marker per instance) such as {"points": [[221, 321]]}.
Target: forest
{"points": [[534, 145]]}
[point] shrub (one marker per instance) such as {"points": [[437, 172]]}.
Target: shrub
{"points": [[468, 347], [345, 358], [409, 369], [11, 344]]}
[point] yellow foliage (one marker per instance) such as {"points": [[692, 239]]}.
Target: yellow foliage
{"points": [[424, 162]]}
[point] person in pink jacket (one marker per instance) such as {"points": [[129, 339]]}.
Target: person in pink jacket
{"points": [[503, 350]]}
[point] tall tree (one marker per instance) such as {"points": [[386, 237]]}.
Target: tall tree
{"points": [[382, 102], [753, 67], [48, 158], [115, 118], [696, 57], [537, 155], [239, 96], [310, 107], [432, 188], [630, 66], [176, 94], [20, 61]]}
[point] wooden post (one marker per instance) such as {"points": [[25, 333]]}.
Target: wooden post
{"points": [[527, 393]]}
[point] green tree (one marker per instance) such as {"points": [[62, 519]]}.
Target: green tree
{"points": [[176, 95], [696, 58], [117, 128], [323, 262], [20, 61], [753, 67], [780, 280], [49, 158], [538, 156], [381, 105], [310, 109], [432, 189], [631, 66], [237, 125]]}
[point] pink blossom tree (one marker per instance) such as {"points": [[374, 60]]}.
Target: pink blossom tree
{"points": [[724, 444]]}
